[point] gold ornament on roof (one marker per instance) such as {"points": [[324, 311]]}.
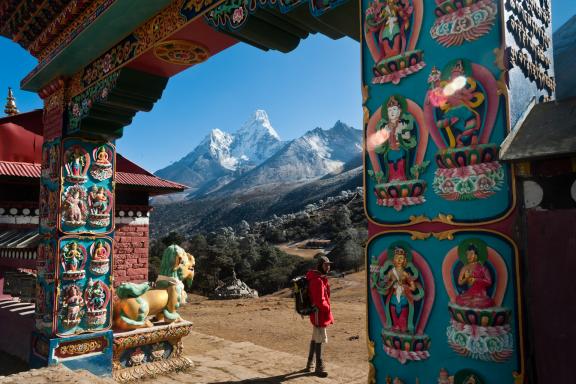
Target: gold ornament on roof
{"points": [[10, 108]]}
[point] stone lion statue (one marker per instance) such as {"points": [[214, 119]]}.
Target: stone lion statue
{"points": [[137, 303]]}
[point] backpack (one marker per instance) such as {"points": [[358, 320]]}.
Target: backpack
{"points": [[303, 304]]}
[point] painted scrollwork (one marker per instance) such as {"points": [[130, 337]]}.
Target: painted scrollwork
{"points": [[402, 288], [458, 21], [391, 31], [397, 138], [475, 277], [460, 108]]}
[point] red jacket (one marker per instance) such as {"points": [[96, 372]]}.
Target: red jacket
{"points": [[319, 292]]}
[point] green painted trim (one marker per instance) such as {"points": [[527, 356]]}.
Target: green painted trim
{"points": [[113, 25], [127, 92]]}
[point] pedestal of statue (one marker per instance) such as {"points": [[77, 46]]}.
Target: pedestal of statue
{"points": [[150, 351]]}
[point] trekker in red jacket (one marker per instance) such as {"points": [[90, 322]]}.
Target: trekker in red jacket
{"points": [[319, 292]]}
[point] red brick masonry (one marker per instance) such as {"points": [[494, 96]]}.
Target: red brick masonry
{"points": [[130, 253]]}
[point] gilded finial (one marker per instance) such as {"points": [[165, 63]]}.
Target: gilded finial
{"points": [[10, 108]]}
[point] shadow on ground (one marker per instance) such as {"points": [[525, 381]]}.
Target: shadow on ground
{"points": [[273, 379], [10, 365]]}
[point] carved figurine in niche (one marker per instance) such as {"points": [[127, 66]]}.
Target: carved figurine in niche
{"points": [[74, 206], [137, 357], [461, 108], [100, 263], [391, 32], [50, 161], [396, 143], [475, 277], [73, 261], [48, 207], [101, 166], [402, 288], [137, 301], [158, 352], [100, 204], [72, 306], [43, 315], [96, 297], [45, 260], [77, 163], [458, 21], [41, 258]]}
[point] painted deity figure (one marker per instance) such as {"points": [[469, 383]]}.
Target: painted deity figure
{"points": [[102, 157], [476, 278], [76, 162], [96, 297], [73, 304], [460, 119], [399, 290], [100, 253], [73, 206], [73, 257], [389, 21], [99, 200], [398, 127], [461, 108], [53, 161]]}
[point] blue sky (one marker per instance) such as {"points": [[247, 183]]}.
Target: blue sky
{"points": [[313, 86]]}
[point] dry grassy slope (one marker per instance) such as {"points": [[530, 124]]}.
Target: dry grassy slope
{"points": [[271, 322]]}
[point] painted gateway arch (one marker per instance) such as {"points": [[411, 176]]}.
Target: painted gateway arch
{"points": [[443, 83]]}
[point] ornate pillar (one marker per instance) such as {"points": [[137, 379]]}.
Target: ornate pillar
{"points": [[74, 297], [443, 84]]}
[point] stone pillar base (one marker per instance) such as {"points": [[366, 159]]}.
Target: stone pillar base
{"points": [[90, 351], [150, 351]]}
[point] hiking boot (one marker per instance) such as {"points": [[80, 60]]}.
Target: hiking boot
{"points": [[320, 370], [310, 362]]}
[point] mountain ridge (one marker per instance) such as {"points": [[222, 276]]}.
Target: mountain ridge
{"points": [[255, 156]]}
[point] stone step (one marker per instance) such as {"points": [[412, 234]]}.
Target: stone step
{"points": [[219, 361]]}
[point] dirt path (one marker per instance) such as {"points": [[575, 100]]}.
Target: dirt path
{"points": [[271, 322], [297, 249]]}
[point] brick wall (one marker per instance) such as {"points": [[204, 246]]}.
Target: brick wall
{"points": [[130, 253]]}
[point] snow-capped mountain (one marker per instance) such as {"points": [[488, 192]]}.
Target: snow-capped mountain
{"points": [[255, 156], [313, 155], [221, 156], [256, 140]]}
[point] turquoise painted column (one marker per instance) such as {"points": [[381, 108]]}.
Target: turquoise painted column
{"points": [[444, 83], [74, 294]]}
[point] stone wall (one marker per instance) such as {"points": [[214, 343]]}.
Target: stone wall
{"points": [[131, 250]]}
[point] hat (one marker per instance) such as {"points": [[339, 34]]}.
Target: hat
{"points": [[324, 259]]}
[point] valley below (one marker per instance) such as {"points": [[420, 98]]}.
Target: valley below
{"points": [[271, 322]]}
